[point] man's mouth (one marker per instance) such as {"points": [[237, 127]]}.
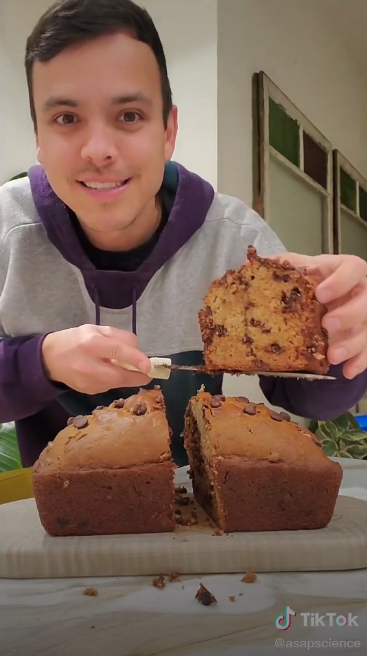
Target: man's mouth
{"points": [[105, 185]]}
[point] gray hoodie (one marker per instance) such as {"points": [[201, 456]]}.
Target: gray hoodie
{"points": [[48, 283]]}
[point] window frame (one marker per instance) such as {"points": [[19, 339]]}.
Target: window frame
{"points": [[340, 161], [264, 89]]}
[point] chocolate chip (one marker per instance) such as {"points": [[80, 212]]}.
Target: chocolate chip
{"points": [[80, 422], [275, 348], [70, 421], [206, 599], [281, 277], [285, 416], [276, 416], [140, 409], [215, 402], [244, 399], [119, 403], [250, 409]]}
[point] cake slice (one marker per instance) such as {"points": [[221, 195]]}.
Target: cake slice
{"points": [[109, 472], [263, 317], [253, 469]]}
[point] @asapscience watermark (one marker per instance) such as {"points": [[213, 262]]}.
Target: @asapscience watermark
{"points": [[283, 622]]}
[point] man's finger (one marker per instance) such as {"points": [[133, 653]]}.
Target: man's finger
{"points": [[346, 349], [109, 348], [347, 315], [342, 280], [105, 376], [118, 334], [356, 365]]}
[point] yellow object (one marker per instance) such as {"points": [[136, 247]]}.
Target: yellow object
{"points": [[16, 485]]}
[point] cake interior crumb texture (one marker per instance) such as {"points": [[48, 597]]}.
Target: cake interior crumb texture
{"points": [[266, 317], [255, 470], [110, 472]]}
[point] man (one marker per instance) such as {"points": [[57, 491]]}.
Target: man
{"points": [[108, 247]]}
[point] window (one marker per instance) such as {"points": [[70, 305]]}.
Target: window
{"points": [[350, 208], [293, 174]]}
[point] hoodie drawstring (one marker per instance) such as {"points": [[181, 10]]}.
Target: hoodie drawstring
{"points": [[97, 304], [134, 328]]}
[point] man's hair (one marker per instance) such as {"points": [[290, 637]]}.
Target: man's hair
{"points": [[71, 22]]}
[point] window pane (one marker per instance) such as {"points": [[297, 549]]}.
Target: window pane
{"points": [[348, 190], [283, 133], [314, 160], [363, 203], [353, 236], [296, 211]]}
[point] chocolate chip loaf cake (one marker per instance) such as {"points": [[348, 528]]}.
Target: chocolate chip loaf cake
{"points": [[110, 472], [255, 470], [263, 317]]}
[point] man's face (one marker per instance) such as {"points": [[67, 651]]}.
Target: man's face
{"points": [[99, 115]]}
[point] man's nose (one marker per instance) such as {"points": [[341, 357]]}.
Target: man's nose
{"points": [[99, 145]]}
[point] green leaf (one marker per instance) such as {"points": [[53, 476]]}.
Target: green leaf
{"points": [[329, 447], [355, 435], [356, 450], [19, 175], [9, 452], [346, 422], [328, 430], [344, 454]]}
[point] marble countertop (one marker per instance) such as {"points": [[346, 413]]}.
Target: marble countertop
{"points": [[129, 616]]}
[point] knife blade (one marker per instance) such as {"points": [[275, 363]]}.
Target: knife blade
{"points": [[162, 367]]}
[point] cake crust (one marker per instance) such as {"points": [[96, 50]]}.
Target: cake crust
{"points": [[263, 317], [109, 472], [254, 469]]}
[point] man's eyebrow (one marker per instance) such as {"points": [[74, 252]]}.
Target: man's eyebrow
{"points": [[133, 97], [58, 101]]}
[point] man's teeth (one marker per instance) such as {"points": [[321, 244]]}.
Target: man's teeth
{"points": [[104, 185]]}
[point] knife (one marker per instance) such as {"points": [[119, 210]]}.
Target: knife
{"points": [[162, 367]]}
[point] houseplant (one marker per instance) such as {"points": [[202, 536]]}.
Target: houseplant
{"points": [[9, 452], [341, 438]]}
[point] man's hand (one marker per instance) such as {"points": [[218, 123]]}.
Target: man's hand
{"points": [[81, 359], [342, 287]]}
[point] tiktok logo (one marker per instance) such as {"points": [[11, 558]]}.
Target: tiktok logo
{"points": [[283, 622]]}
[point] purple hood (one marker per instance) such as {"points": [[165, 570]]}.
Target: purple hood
{"points": [[189, 198]]}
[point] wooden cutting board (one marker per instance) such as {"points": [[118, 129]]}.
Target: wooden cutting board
{"points": [[26, 551]]}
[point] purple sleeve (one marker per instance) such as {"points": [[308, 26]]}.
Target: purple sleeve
{"points": [[24, 386], [319, 400]]}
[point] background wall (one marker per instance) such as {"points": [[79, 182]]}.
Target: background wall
{"points": [[213, 47], [296, 46]]}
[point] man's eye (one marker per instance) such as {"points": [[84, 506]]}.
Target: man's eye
{"points": [[65, 119], [130, 117]]}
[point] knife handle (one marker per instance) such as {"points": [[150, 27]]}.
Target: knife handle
{"points": [[157, 371]]}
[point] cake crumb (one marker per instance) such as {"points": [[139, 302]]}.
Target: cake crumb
{"points": [[180, 489], [249, 577], [218, 531], [204, 596], [232, 598], [173, 576], [90, 592], [159, 582], [183, 501]]}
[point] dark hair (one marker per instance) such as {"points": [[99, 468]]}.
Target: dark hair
{"points": [[69, 22]]}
